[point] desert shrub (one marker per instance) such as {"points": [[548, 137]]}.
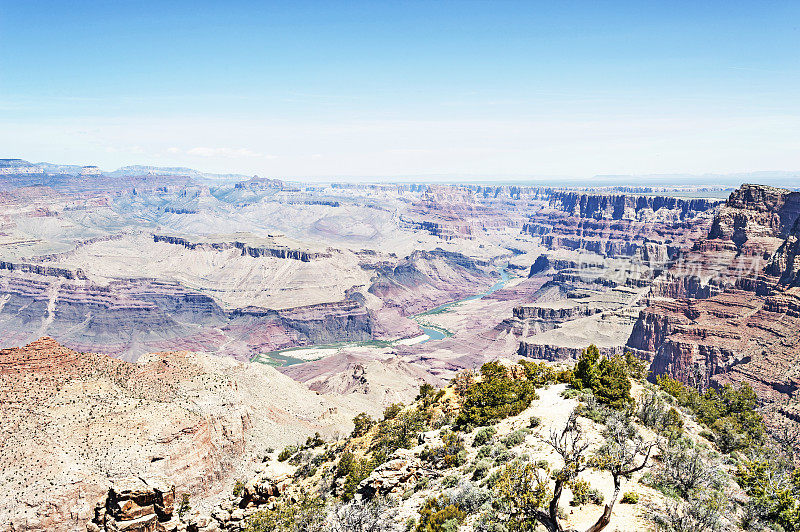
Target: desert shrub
{"points": [[580, 492], [730, 412], [485, 451], [482, 467], [490, 521], [629, 497], [450, 481], [287, 452], [345, 464], [592, 409], [238, 487], [184, 507], [773, 484], [651, 409], [572, 393], [358, 472], [306, 514], [595, 496], [305, 470], [502, 457], [298, 457], [534, 422], [362, 423], [484, 436], [492, 480], [672, 423], [515, 438], [438, 515], [653, 412], [314, 441], [706, 511], [686, 468], [361, 516], [495, 397], [391, 411], [450, 454], [468, 497]]}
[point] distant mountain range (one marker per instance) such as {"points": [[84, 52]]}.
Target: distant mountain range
{"points": [[22, 166]]}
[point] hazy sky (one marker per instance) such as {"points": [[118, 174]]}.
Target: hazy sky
{"points": [[303, 89]]}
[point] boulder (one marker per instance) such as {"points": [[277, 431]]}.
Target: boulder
{"points": [[393, 477]]}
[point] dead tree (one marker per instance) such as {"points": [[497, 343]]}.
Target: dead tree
{"points": [[623, 454]]}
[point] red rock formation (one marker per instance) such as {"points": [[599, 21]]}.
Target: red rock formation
{"points": [[728, 310]]}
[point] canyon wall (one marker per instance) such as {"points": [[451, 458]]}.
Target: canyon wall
{"points": [[727, 311]]}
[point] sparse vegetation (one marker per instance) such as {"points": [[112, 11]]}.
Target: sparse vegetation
{"points": [[184, 507], [516, 489], [306, 514]]}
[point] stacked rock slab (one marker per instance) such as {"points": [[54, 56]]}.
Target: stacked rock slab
{"points": [[136, 505]]}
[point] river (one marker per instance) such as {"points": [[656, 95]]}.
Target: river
{"points": [[284, 357]]}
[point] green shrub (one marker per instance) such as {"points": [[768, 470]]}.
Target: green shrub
{"points": [[484, 436], [287, 452], [580, 492], [450, 454], [450, 481], [496, 397], [485, 451], [238, 488], [607, 377], [637, 368], [630, 497], [595, 496], [773, 485], [286, 515], [515, 438], [730, 412], [482, 467], [438, 516], [362, 423], [401, 432], [585, 372], [184, 506], [392, 410], [502, 457]]}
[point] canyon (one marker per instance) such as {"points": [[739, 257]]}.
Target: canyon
{"points": [[172, 324]]}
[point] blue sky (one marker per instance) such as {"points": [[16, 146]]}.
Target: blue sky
{"points": [[372, 89]]}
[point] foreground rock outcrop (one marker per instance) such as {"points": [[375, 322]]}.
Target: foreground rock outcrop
{"points": [[137, 505], [71, 423]]}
